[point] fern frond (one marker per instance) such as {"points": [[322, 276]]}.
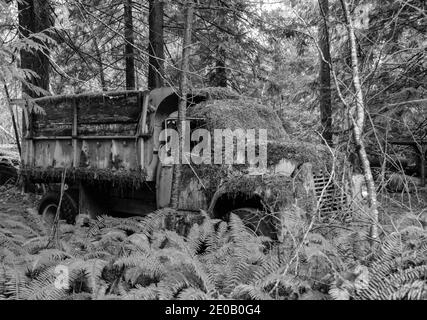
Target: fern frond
{"points": [[43, 287], [339, 293], [416, 290], [142, 293], [243, 291], [193, 294]]}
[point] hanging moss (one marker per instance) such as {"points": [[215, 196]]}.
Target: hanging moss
{"points": [[116, 178], [276, 191]]}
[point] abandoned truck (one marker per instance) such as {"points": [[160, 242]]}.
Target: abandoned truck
{"points": [[106, 147]]}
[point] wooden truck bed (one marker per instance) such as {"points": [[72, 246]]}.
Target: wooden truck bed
{"points": [[91, 135]]}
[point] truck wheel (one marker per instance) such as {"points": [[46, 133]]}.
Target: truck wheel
{"points": [[258, 221], [49, 204]]}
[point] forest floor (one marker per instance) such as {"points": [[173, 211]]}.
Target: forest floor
{"points": [[135, 259]]}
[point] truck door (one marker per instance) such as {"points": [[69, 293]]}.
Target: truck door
{"points": [[164, 179]]}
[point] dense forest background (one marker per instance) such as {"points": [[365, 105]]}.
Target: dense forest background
{"points": [[350, 74], [262, 50]]}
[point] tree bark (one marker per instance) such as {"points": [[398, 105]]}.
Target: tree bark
{"points": [[99, 62], [129, 46], [358, 118], [183, 91], [325, 74], [98, 58], [156, 45], [34, 17], [218, 77]]}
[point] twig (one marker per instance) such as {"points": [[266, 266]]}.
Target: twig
{"points": [[55, 229]]}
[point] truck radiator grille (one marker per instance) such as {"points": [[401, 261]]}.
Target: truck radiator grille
{"points": [[333, 204]]}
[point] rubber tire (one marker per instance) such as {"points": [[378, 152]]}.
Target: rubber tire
{"points": [[69, 207], [253, 219], [7, 174]]}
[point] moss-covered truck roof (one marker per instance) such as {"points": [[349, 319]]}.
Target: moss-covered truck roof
{"points": [[225, 109], [233, 112]]}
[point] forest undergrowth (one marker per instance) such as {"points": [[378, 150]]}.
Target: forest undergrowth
{"points": [[139, 258]]}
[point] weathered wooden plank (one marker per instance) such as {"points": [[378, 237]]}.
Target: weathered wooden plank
{"points": [[122, 108], [55, 154], [98, 114], [89, 132], [57, 120], [113, 154], [110, 129]]}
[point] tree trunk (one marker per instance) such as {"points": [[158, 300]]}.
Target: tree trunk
{"points": [[98, 58], [325, 74], [183, 91], [129, 46], [156, 45], [358, 118], [218, 77], [99, 62], [34, 17]]}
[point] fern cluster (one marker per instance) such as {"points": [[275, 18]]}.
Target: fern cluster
{"points": [[395, 269], [139, 258]]}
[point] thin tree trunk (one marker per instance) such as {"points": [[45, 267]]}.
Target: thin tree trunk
{"points": [[325, 74], [129, 46], [358, 118], [98, 59], [156, 45], [183, 91]]}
